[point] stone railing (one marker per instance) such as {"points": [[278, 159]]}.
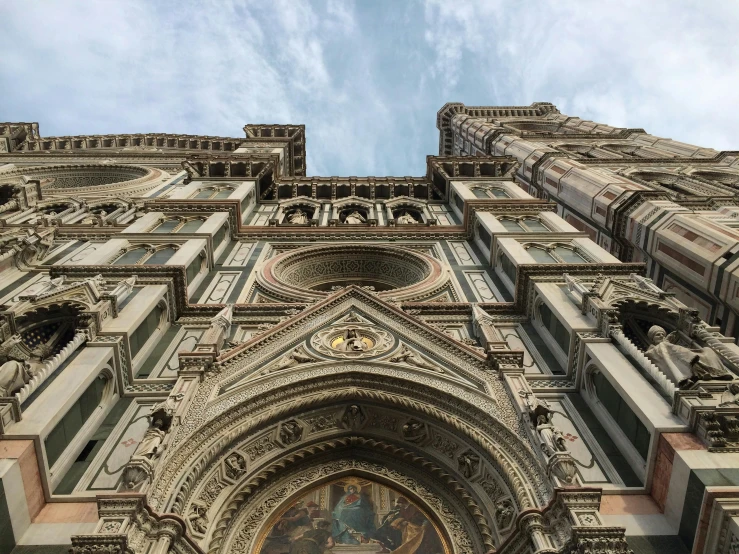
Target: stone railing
{"points": [[640, 358], [51, 365]]}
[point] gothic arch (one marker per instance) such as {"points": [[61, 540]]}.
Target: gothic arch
{"points": [[501, 455], [248, 513]]}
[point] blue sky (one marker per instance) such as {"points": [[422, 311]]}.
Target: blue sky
{"points": [[367, 77]]}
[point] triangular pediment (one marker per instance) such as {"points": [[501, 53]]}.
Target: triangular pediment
{"points": [[352, 327]]}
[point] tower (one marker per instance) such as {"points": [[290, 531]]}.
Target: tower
{"points": [[205, 350]]}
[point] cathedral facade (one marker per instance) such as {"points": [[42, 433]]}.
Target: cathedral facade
{"points": [[529, 349]]}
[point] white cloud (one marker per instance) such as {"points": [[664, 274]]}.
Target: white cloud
{"points": [[667, 66], [366, 78]]}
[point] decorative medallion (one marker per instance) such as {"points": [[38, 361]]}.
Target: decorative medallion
{"points": [[352, 342]]}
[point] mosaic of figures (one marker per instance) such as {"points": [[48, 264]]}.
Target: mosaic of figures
{"points": [[352, 515]]}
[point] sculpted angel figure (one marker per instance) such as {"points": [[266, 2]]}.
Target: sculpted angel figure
{"points": [[355, 218], [407, 356], [683, 366]]}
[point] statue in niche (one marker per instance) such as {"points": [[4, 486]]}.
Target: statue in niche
{"points": [[730, 396], [355, 218], [298, 217], [406, 219], [235, 466], [199, 519], [14, 375], [504, 513], [291, 432], [353, 417], [468, 462], [353, 342], [684, 366], [414, 431]]}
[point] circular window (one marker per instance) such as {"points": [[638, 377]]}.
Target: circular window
{"points": [[312, 273]]}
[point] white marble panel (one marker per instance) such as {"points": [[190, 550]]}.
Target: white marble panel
{"points": [[239, 255], [483, 287], [169, 363], [463, 253], [221, 286]]}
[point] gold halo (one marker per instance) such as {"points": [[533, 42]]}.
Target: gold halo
{"points": [[352, 483]]}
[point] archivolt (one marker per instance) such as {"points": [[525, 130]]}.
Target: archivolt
{"points": [[363, 450], [508, 453]]}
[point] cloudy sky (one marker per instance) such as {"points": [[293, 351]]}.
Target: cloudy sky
{"points": [[367, 77]]}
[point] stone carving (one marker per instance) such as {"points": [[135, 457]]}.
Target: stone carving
{"points": [[14, 375], [296, 357], [468, 462], [415, 431], [504, 512], [550, 437], [355, 218], [730, 397], [298, 217], [290, 432], [150, 445], [684, 366], [408, 357], [352, 342], [235, 466], [353, 417], [406, 218], [198, 519]]}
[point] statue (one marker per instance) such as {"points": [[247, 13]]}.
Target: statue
{"points": [[684, 366], [296, 357], [730, 396], [199, 519], [414, 431], [14, 375], [291, 432], [298, 217], [355, 218], [235, 466], [407, 356], [504, 512], [468, 463], [352, 342], [353, 417], [406, 219], [550, 437], [149, 447]]}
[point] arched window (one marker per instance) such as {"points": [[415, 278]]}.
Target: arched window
{"points": [[555, 254], [64, 432], [512, 225], [167, 226], [132, 257], [524, 225], [541, 255], [160, 257], [143, 255], [178, 225], [213, 193]]}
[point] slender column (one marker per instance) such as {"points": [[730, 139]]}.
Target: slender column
{"points": [[8, 206]]}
